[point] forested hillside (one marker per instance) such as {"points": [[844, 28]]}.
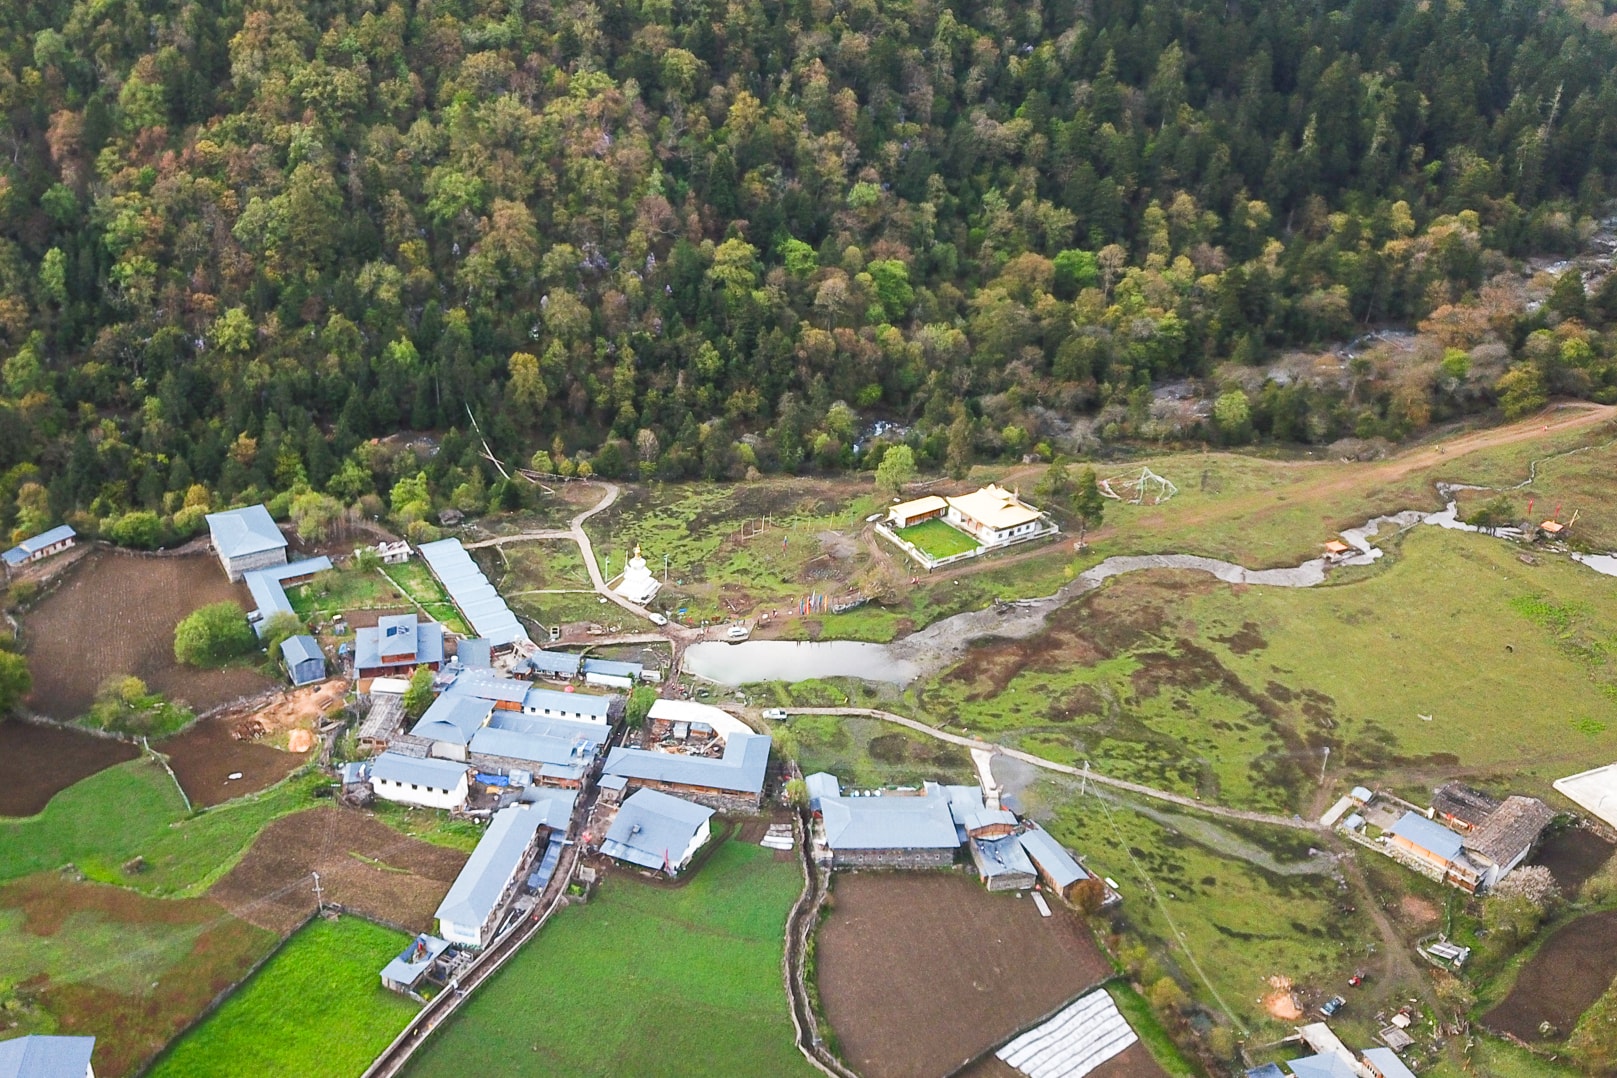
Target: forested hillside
{"points": [[678, 238]]}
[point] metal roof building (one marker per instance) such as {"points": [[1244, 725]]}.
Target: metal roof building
{"points": [[740, 770], [396, 767], [1432, 837], [895, 821], [467, 912], [464, 581], [452, 719], [38, 1056], [268, 587], [555, 807], [305, 662], [550, 663], [549, 701], [386, 641], [1053, 861], [246, 539], [657, 831], [477, 654], [1386, 1064], [411, 964], [38, 546]]}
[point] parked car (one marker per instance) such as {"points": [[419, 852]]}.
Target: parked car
{"points": [[738, 632], [657, 619], [1332, 1005], [775, 714]]}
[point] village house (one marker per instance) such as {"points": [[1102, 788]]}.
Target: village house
{"points": [[1433, 850], [509, 694], [38, 1056], [420, 962], [468, 914], [474, 654], [538, 751], [1484, 854], [305, 663], [560, 665], [1060, 871], [246, 539], [1504, 840], [995, 516], [1594, 790], [898, 829], [1002, 864], [396, 553], [732, 780], [908, 514], [1462, 808], [657, 831], [439, 784], [449, 723], [397, 644], [268, 588], [39, 546]]}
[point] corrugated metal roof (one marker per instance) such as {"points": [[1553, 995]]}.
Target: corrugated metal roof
{"points": [[1001, 857], [820, 785], [1386, 1063], [295, 649], [414, 960], [472, 897], [1427, 834], [20, 553], [552, 662], [1052, 859], [1324, 1065], [652, 828], [438, 774], [515, 745], [37, 1056], [1076, 1040], [477, 654], [268, 587], [612, 668], [555, 807], [571, 703], [249, 530], [741, 769], [487, 685], [453, 719], [892, 822], [369, 647], [460, 577]]}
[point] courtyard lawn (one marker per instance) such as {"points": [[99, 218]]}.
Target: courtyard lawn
{"points": [[937, 539], [644, 979], [316, 1008]]}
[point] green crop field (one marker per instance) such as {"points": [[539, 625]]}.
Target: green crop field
{"points": [[937, 539], [317, 1008], [642, 980], [182, 854]]}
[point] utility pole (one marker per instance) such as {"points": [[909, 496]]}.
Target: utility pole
{"points": [[318, 901], [1323, 764], [665, 568], [1083, 787]]}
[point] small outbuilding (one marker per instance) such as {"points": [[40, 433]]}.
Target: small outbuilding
{"points": [[246, 539], [305, 663], [39, 546], [415, 964], [908, 514], [657, 831]]}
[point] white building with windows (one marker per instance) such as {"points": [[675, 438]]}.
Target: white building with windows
{"points": [[439, 784]]}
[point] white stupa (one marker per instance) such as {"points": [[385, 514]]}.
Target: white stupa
{"points": [[638, 583]]}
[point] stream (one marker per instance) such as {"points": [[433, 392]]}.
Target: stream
{"points": [[941, 644]]}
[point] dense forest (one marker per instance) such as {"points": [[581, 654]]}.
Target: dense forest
{"points": [[243, 242]]}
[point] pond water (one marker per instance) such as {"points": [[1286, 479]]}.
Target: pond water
{"points": [[788, 660]]}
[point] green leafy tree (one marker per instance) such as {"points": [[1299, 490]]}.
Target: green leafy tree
{"points": [[419, 695], [1088, 503], [15, 680], [213, 635], [315, 516], [896, 469]]}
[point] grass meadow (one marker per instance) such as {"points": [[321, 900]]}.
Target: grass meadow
{"points": [[315, 1009], [937, 539], [644, 979]]}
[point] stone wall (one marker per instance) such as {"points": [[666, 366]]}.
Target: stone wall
{"points": [[900, 858], [248, 562], [727, 803]]}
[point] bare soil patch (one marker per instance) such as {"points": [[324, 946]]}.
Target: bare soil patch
{"points": [[902, 957], [1562, 980], [179, 954], [122, 609], [364, 865], [1573, 855], [1418, 911], [209, 752], [37, 762]]}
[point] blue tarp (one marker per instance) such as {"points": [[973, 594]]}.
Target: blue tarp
{"points": [[493, 780]]}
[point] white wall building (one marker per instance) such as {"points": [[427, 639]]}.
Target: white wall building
{"points": [[439, 784]]}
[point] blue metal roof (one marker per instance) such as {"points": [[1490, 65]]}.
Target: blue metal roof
{"points": [[741, 769], [296, 650], [472, 897], [37, 1056], [487, 685], [249, 530], [436, 774], [896, 821], [570, 703], [20, 553], [1268, 1070], [613, 668], [453, 719], [653, 828], [414, 960], [515, 745], [1322, 1066], [429, 645], [551, 662], [465, 582], [821, 785], [1055, 862], [1001, 857], [267, 586], [475, 654], [1428, 835], [1387, 1063], [555, 807]]}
